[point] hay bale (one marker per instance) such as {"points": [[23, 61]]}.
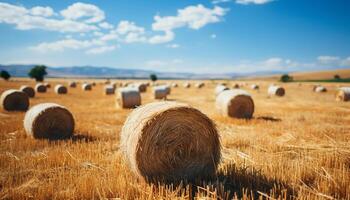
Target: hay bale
{"points": [[174, 85], [28, 90], [343, 94], [220, 88], [60, 89], [86, 87], [109, 89], [161, 92], [199, 85], [14, 100], [140, 86], [235, 103], [314, 87], [72, 84], [236, 86], [40, 88], [50, 121], [48, 85], [254, 87], [128, 97], [319, 89], [187, 85], [170, 141], [275, 90], [93, 84]]}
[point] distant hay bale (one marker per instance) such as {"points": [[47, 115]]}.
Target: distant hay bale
{"points": [[187, 85], [343, 94], [72, 84], [28, 90], [50, 121], [14, 100], [40, 88], [275, 90], [170, 142], [109, 89], [128, 97], [199, 85], [254, 87], [86, 86], [314, 87], [174, 85], [320, 89], [48, 85], [142, 87], [60, 89], [235, 103], [93, 84], [236, 86], [220, 88], [161, 92]]}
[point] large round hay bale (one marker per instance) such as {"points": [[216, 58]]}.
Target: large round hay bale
{"points": [[86, 86], [128, 97], [40, 88], [72, 84], [60, 89], [343, 94], [109, 89], [140, 86], [170, 141], [235, 103], [199, 85], [254, 87], [160, 92], [14, 100], [220, 88], [50, 121], [320, 89], [187, 85], [28, 90], [275, 90]]}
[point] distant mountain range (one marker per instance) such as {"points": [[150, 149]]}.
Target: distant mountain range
{"points": [[110, 72]]}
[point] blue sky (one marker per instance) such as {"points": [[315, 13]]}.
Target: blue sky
{"points": [[215, 36]]}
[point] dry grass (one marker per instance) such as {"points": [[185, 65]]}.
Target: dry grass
{"points": [[297, 146]]}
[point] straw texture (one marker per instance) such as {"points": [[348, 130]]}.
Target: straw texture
{"points": [[343, 94], [128, 97]]}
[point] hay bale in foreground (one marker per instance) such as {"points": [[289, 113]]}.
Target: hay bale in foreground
{"points": [[50, 121], [28, 90], [86, 87], [40, 88], [254, 87], [170, 141], [60, 89], [220, 88], [320, 89], [161, 92], [343, 94], [109, 89], [187, 85], [275, 90], [128, 97], [72, 84], [14, 100], [235, 103]]}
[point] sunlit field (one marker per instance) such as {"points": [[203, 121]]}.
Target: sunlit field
{"points": [[295, 147]]}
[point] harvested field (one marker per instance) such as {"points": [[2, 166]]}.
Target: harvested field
{"points": [[295, 147]]}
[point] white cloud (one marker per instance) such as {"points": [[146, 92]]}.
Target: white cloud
{"points": [[101, 50], [158, 39], [173, 46], [246, 2], [61, 45], [213, 36], [345, 62], [106, 25], [125, 27], [328, 59], [42, 11], [273, 62], [220, 1], [89, 12]]}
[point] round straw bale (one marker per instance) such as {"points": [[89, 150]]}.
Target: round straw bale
{"points": [[320, 89], [220, 88], [235, 103], [236, 86], [254, 87], [199, 85], [314, 87], [50, 121], [187, 85], [48, 85], [72, 84], [174, 85], [160, 92], [60, 89], [28, 90], [86, 86], [109, 89], [14, 100], [93, 84], [40, 88], [140, 86], [128, 97], [170, 141], [276, 90], [343, 94]]}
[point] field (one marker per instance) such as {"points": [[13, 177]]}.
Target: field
{"points": [[295, 147]]}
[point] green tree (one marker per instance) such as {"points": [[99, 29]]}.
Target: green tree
{"points": [[5, 75], [38, 72], [337, 77], [153, 77], [286, 78]]}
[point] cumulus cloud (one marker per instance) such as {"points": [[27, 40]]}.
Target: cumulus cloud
{"points": [[42, 11], [106, 25], [220, 1], [259, 2], [345, 62], [89, 12], [159, 39], [100, 50], [328, 59], [61, 45]]}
